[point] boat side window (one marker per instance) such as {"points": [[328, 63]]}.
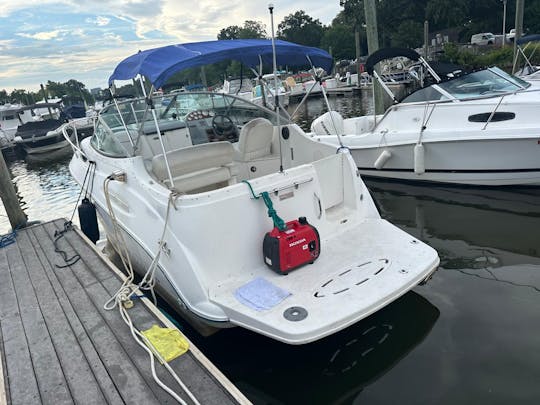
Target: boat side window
{"points": [[485, 82], [425, 94]]}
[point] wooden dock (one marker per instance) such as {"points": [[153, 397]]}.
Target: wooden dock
{"points": [[344, 91], [59, 346]]}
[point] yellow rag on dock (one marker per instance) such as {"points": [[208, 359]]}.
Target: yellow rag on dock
{"points": [[168, 342]]}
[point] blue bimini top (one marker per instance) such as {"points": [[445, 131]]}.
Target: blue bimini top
{"points": [[159, 64]]}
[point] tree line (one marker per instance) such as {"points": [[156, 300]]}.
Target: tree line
{"points": [[71, 92], [400, 23]]}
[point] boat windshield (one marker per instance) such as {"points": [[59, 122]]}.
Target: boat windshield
{"points": [[488, 82], [207, 117]]}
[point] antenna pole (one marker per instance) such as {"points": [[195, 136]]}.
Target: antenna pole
{"points": [[276, 88]]}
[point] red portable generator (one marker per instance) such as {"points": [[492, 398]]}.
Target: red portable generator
{"points": [[297, 245]]}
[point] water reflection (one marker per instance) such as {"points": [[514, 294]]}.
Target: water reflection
{"points": [[347, 106], [45, 188], [484, 347], [505, 218], [332, 370]]}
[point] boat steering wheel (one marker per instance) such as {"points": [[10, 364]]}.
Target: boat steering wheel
{"points": [[223, 126]]}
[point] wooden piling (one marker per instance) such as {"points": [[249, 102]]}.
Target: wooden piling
{"points": [[17, 218], [370, 11]]}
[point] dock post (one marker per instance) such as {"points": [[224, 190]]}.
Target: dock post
{"points": [[520, 5], [17, 217], [370, 11], [426, 39]]}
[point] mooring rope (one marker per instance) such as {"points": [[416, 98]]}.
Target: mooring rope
{"points": [[59, 235], [8, 238], [278, 222]]}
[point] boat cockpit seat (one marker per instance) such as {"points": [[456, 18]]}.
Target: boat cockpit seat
{"points": [[197, 168], [255, 140]]}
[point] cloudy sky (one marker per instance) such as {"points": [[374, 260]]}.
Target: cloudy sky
{"points": [[59, 40]]}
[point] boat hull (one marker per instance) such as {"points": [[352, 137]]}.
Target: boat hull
{"points": [[492, 162], [364, 264]]}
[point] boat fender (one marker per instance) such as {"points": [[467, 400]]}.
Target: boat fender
{"points": [[382, 159], [88, 219], [419, 165]]}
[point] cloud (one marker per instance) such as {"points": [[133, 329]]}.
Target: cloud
{"points": [[41, 36], [100, 21], [62, 39]]}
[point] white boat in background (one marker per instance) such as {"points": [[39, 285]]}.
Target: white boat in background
{"points": [[265, 91], [240, 87], [527, 70], [477, 128], [175, 177], [297, 90], [41, 135], [261, 93], [44, 133], [11, 116]]}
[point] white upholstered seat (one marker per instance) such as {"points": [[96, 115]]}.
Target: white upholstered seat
{"points": [[197, 167], [255, 140]]}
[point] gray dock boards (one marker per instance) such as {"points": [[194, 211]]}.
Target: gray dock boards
{"points": [[59, 345]]}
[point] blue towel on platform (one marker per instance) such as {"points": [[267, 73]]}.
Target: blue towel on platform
{"points": [[260, 294]]}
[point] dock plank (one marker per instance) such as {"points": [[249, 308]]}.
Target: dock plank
{"points": [[23, 388], [98, 295], [59, 345], [124, 373], [83, 339], [4, 394], [186, 365], [81, 381], [50, 377]]}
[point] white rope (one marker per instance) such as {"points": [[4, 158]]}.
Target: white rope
{"points": [[120, 246], [148, 282], [128, 288]]}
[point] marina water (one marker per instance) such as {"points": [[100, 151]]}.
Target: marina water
{"points": [[470, 335]]}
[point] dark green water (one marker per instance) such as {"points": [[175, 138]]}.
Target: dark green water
{"points": [[469, 336]]}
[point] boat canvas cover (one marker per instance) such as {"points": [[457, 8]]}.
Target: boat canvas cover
{"points": [[159, 64], [388, 53], [528, 38], [37, 128]]}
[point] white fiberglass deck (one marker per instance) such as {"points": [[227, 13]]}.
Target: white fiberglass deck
{"points": [[369, 271]]}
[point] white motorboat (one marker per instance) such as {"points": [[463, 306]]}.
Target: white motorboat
{"points": [[240, 87], [264, 91], [43, 134], [470, 128], [527, 70], [168, 177], [11, 116], [261, 93]]}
